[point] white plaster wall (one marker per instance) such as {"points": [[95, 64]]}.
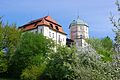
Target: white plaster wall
{"points": [[46, 31], [33, 30], [87, 32], [53, 35], [40, 29], [56, 37]]}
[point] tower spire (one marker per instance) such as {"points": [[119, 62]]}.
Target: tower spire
{"points": [[77, 13]]}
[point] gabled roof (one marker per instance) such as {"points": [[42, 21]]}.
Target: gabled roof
{"points": [[45, 21]]}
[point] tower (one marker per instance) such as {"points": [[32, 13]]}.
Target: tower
{"points": [[79, 32]]}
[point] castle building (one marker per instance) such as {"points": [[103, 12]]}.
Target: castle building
{"points": [[48, 27], [79, 32]]}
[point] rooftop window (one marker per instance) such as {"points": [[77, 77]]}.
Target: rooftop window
{"points": [[57, 28], [51, 25]]}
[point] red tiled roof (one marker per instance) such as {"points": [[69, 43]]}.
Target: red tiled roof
{"points": [[45, 21]]}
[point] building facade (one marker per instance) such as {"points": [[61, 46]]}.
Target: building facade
{"points": [[48, 27], [79, 32]]}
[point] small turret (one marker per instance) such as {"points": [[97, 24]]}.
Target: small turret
{"points": [[78, 31]]}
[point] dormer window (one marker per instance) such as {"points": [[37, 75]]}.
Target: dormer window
{"points": [[57, 28], [51, 25]]}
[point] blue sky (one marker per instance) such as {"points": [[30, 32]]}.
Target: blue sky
{"points": [[95, 12]]}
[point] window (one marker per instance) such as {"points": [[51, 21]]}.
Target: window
{"points": [[81, 27], [63, 39], [36, 31], [53, 35], [50, 34], [59, 38], [41, 30], [57, 28], [81, 36], [51, 25], [84, 44]]}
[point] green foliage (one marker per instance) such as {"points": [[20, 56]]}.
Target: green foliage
{"points": [[90, 68], [31, 53], [116, 23], [60, 66], [107, 43], [116, 67], [3, 62], [117, 38], [103, 47], [116, 58], [33, 72], [9, 37], [69, 64], [36, 68]]}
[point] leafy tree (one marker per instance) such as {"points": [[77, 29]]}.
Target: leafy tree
{"points": [[91, 68], [103, 47], [3, 63], [9, 38], [116, 57], [33, 72], [69, 64], [107, 43], [116, 23], [30, 54], [60, 66]]}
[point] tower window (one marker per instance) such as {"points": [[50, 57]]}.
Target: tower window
{"points": [[80, 27], [84, 44], [81, 36]]}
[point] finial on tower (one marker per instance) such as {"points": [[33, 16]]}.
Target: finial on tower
{"points": [[78, 14]]}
